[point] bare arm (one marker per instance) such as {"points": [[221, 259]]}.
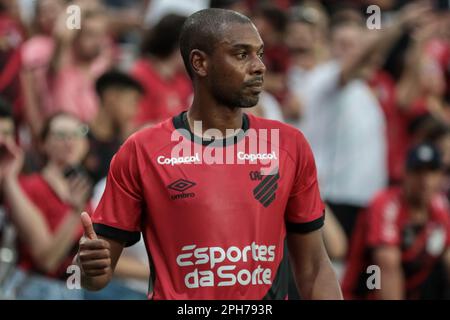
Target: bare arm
{"points": [[47, 249], [382, 41], [97, 257], [33, 111], [388, 258], [334, 237], [313, 273]]}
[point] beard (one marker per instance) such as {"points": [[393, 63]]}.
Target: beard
{"points": [[239, 99]]}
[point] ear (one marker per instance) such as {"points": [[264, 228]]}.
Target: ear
{"points": [[199, 62]]}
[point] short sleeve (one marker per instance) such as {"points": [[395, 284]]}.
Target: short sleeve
{"points": [[382, 226], [118, 214], [305, 209], [32, 188], [441, 205], [447, 229]]}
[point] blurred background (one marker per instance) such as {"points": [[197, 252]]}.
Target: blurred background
{"points": [[368, 86]]}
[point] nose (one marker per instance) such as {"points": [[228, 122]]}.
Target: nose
{"points": [[258, 67]]}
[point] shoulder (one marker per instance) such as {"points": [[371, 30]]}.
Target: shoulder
{"points": [[388, 195], [30, 179], [283, 137], [324, 71], [37, 51], [386, 205], [284, 129], [32, 183], [441, 207], [288, 136]]}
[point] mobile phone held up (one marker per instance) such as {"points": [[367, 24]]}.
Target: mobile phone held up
{"points": [[74, 171]]}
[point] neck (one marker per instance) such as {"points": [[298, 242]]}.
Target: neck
{"points": [[54, 175], [213, 115], [54, 166], [53, 170], [413, 201]]}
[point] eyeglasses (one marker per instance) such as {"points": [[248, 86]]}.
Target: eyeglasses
{"points": [[79, 133], [6, 133]]}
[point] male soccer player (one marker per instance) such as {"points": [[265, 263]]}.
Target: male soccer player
{"points": [[215, 221]]}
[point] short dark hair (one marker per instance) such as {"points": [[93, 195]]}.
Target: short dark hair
{"points": [[116, 79], [162, 40], [203, 29], [275, 16], [5, 109]]}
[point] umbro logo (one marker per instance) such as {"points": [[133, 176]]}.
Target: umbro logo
{"points": [[181, 185], [265, 190]]}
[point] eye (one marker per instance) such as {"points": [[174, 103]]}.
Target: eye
{"points": [[261, 55], [242, 55]]}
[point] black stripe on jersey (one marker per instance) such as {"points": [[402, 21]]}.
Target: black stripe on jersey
{"points": [[266, 204], [180, 122], [280, 285], [267, 182], [305, 227], [270, 193], [128, 237]]}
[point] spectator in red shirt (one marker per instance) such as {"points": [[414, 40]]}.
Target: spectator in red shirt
{"points": [[406, 233], [80, 57], [11, 38], [45, 209], [7, 230], [119, 95], [160, 71]]}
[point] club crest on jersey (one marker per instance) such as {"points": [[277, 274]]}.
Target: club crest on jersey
{"points": [[264, 192], [181, 185]]}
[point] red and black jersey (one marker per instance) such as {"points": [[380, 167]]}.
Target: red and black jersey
{"points": [[387, 223], [214, 214]]}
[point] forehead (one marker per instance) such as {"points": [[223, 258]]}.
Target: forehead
{"points": [[241, 34], [64, 122], [347, 31]]}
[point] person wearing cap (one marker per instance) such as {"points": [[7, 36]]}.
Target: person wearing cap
{"points": [[405, 235]]}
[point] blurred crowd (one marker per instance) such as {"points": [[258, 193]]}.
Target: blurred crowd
{"points": [[373, 102]]}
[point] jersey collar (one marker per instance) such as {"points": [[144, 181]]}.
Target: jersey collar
{"points": [[180, 122]]}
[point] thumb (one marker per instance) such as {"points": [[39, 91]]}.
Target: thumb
{"points": [[87, 226]]}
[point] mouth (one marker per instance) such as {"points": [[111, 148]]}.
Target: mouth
{"points": [[256, 86], [256, 89]]}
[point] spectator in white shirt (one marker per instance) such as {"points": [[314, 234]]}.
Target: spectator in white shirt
{"points": [[342, 119]]}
